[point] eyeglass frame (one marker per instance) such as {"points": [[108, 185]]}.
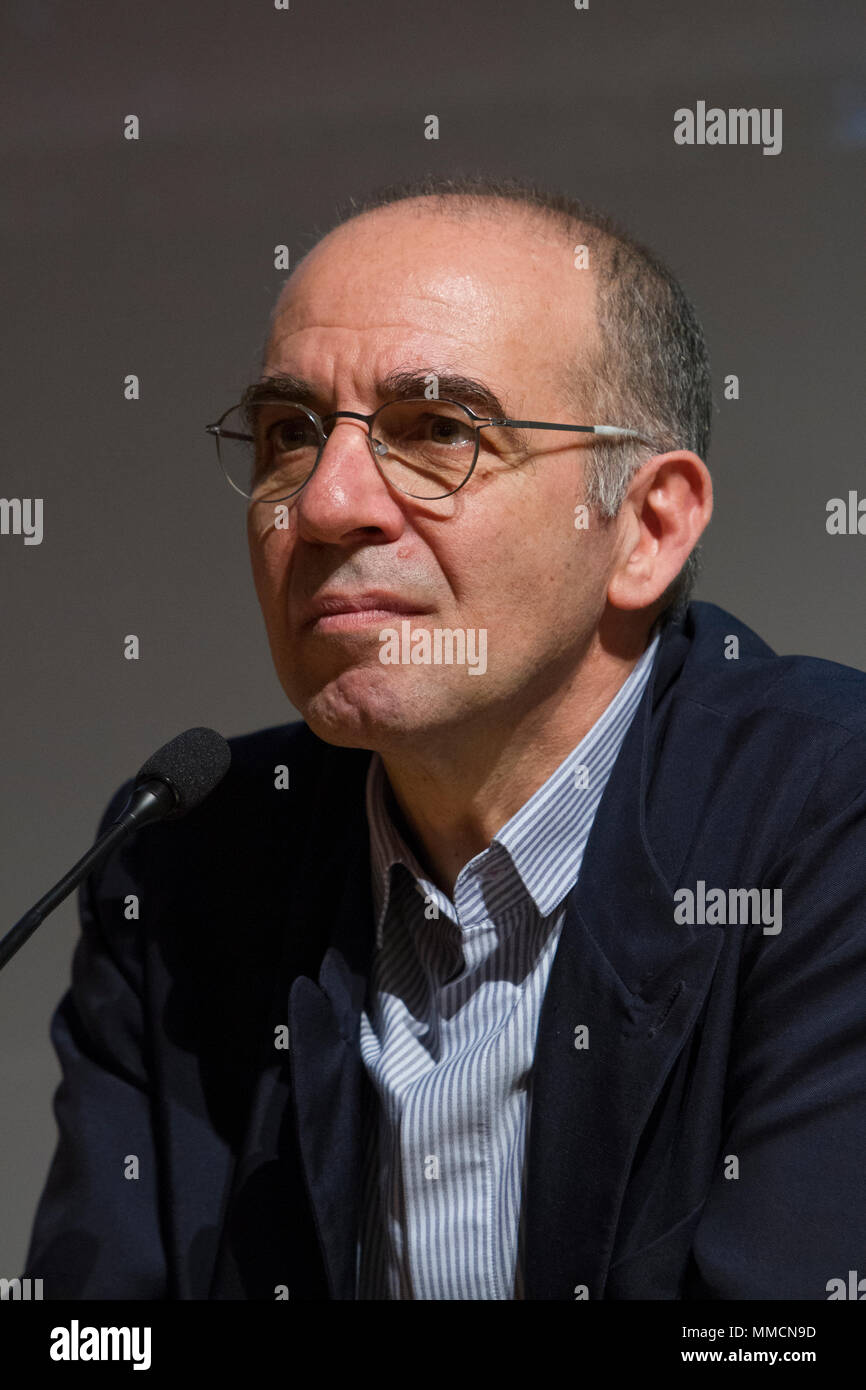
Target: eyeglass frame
{"points": [[480, 422]]}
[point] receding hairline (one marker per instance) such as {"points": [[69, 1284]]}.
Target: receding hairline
{"points": [[458, 207]]}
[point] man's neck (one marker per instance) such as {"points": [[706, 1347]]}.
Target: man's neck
{"points": [[461, 790]]}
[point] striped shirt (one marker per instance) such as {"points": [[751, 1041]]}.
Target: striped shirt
{"points": [[448, 1034]]}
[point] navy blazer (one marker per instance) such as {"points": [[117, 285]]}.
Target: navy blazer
{"points": [[707, 1144]]}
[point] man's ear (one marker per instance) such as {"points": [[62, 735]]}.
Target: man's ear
{"points": [[664, 513]]}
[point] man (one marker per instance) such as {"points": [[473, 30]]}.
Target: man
{"points": [[532, 964]]}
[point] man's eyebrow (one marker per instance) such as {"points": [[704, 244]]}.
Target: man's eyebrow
{"points": [[284, 386], [402, 385], [398, 385]]}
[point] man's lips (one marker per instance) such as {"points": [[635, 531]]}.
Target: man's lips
{"points": [[330, 612]]}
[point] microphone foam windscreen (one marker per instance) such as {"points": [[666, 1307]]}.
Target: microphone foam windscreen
{"points": [[192, 764]]}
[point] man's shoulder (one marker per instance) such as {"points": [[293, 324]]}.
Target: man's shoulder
{"points": [[731, 712], [294, 746], [732, 670], [288, 804], [273, 771]]}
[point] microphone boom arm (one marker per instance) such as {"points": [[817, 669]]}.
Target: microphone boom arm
{"points": [[150, 800]]}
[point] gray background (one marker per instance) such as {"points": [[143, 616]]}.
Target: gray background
{"points": [[156, 257]]}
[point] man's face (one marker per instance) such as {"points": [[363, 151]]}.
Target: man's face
{"points": [[491, 299]]}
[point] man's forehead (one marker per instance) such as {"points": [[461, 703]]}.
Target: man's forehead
{"points": [[480, 262], [451, 284]]}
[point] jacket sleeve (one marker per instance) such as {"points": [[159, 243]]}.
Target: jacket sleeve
{"points": [[96, 1232], [786, 1215]]}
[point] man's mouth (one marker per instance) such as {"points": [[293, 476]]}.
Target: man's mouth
{"points": [[344, 612]]}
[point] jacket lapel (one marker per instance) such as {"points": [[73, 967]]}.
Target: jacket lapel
{"points": [[304, 1129], [328, 1073], [636, 980]]}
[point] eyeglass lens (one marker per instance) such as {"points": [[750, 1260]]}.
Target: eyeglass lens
{"points": [[425, 448]]}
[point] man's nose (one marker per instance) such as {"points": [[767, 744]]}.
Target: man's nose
{"points": [[347, 492]]}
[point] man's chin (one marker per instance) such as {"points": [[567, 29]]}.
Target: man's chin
{"points": [[359, 708]]}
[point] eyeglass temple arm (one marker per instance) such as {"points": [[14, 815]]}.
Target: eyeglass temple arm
{"points": [[514, 424], [226, 434], [584, 429]]}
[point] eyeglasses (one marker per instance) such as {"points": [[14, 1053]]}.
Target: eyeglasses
{"points": [[428, 449]]}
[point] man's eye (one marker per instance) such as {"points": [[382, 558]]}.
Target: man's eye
{"points": [[287, 435], [445, 430]]}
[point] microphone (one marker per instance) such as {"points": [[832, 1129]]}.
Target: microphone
{"points": [[178, 776], [173, 781]]}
